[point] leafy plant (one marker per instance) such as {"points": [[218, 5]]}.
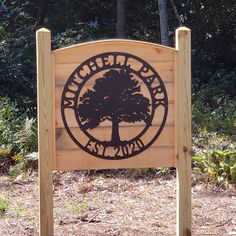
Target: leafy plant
{"points": [[5, 159], [9, 121], [23, 163], [18, 139], [214, 109], [163, 171], [26, 138], [218, 165], [4, 204]]}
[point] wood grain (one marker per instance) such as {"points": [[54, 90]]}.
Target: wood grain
{"points": [[77, 159], [147, 51], [46, 130], [164, 69], [71, 121], [166, 138], [183, 130], [169, 89], [67, 59]]}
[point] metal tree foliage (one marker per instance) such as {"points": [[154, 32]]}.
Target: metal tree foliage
{"points": [[115, 97]]}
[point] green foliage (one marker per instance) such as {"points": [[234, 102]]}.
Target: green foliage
{"points": [[26, 138], [5, 159], [212, 24], [221, 119], [214, 104], [4, 204], [215, 157], [9, 121], [16, 129], [3, 34], [5, 153], [18, 139], [17, 53], [23, 163], [78, 208], [218, 165], [163, 171]]}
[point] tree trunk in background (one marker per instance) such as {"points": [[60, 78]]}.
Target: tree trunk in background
{"points": [[162, 7], [43, 7], [121, 18]]}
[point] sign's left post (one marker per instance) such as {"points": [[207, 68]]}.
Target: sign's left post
{"points": [[46, 130]]}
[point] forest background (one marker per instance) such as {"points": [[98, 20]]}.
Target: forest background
{"points": [[213, 27]]}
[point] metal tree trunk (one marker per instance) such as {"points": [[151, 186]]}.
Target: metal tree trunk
{"points": [[115, 137]]}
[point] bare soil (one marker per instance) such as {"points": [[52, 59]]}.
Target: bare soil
{"points": [[115, 203]]}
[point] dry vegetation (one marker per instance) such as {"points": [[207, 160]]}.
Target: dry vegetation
{"points": [[115, 203]]}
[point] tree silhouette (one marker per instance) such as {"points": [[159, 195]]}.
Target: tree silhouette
{"points": [[115, 97]]}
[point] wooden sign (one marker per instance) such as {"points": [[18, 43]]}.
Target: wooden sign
{"points": [[114, 104]]}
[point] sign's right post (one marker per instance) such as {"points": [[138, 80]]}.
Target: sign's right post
{"points": [[183, 129]]}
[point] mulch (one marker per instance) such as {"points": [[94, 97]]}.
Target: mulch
{"points": [[114, 203]]}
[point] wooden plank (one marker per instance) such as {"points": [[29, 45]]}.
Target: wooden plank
{"points": [[169, 89], [70, 117], [46, 130], [146, 51], [124, 41], [76, 159], [183, 130], [166, 138], [53, 97], [164, 69]]}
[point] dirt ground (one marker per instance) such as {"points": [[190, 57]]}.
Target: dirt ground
{"points": [[115, 203]]}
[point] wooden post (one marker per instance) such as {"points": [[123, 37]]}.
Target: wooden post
{"points": [[183, 130], [46, 130]]}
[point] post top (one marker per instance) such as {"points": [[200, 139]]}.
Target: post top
{"points": [[183, 28], [43, 30]]}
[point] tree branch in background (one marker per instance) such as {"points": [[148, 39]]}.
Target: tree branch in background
{"points": [[180, 20], [121, 18], [162, 7]]}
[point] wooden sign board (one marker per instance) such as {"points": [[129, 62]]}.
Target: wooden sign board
{"points": [[114, 104]]}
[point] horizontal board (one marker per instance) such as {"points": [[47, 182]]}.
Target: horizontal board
{"points": [[166, 138], [164, 69], [81, 52], [169, 89], [127, 41], [71, 121], [80, 160]]}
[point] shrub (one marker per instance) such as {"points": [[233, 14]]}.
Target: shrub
{"points": [[214, 104], [5, 159], [215, 157], [26, 139], [18, 139], [218, 165], [9, 121], [23, 163]]}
